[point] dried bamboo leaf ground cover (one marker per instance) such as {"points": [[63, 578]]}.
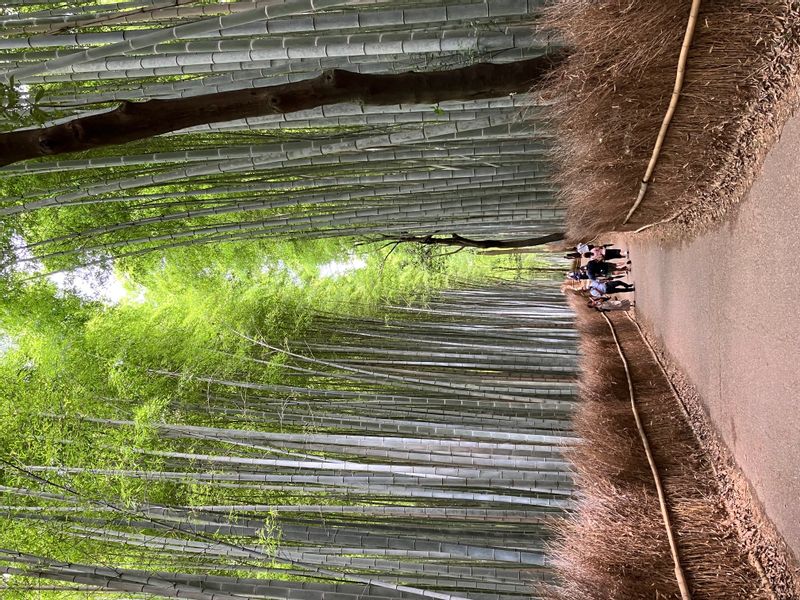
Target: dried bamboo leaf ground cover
{"points": [[615, 87], [615, 546]]}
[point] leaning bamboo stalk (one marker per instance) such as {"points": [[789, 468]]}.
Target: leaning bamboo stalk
{"points": [[361, 221], [662, 501], [482, 197], [329, 441], [296, 150], [422, 472], [314, 165], [197, 54], [133, 121], [393, 16], [364, 122], [673, 103], [290, 50], [179, 31]]}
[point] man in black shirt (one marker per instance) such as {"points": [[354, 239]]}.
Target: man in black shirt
{"points": [[598, 268]]}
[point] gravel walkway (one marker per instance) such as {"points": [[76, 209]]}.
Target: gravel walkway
{"points": [[726, 309]]}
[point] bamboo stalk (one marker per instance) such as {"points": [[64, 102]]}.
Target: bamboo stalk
{"points": [[662, 501], [754, 558], [673, 103]]}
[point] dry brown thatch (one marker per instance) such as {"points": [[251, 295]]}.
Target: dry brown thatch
{"points": [[615, 546], [615, 87]]}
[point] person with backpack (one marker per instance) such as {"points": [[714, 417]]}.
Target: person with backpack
{"points": [[600, 268]]}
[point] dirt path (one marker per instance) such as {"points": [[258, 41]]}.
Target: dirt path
{"points": [[726, 309]]}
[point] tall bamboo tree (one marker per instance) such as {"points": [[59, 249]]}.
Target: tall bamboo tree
{"points": [[374, 160], [417, 455]]}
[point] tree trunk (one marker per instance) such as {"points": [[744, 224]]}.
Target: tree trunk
{"points": [[135, 121], [462, 242]]}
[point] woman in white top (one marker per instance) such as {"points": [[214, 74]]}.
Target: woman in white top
{"points": [[602, 288]]}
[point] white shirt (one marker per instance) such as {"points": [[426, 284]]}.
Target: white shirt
{"points": [[597, 289]]}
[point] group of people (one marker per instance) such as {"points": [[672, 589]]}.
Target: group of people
{"points": [[600, 276]]}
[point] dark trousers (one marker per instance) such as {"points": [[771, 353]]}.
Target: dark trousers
{"points": [[616, 287]]}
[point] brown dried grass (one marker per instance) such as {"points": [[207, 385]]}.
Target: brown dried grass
{"points": [[614, 89], [614, 546]]}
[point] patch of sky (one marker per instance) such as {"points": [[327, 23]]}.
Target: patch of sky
{"points": [[24, 260], [339, 268], [97, 283], [280, 267], [6, 343]]}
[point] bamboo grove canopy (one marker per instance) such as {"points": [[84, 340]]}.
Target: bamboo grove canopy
{"points": [[477, 167], [414, 455]]}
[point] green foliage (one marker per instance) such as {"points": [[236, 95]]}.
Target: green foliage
{"points": [[18, 108], [191, 313], [269, 536], [88, 389]]}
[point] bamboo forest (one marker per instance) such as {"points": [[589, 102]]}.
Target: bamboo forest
{"points": [[235, 363], [316, 300]]}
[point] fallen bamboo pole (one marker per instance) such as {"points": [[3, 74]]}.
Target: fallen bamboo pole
{"points": [[752, 556], [673, 103], [662, 501]]}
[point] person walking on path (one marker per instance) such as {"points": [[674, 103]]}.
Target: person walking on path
{"points": [[598, 289], [603, 253], [600, 268], [583, 248]]}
